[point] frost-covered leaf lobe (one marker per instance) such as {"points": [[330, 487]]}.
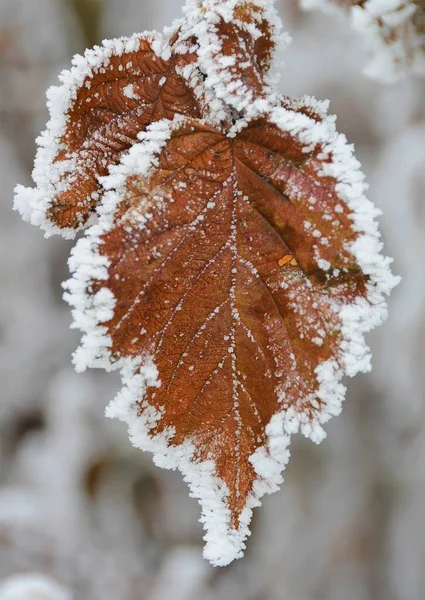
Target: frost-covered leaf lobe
{"points": [[116, 101]]}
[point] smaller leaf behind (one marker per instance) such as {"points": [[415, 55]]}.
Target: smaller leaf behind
{"points": [[110, 96]]}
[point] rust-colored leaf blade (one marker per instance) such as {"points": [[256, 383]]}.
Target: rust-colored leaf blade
{"points": [[241, 345]]}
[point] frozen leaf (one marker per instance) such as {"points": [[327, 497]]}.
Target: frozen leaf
{"points": [[236, 46], [394, 31], [232, 271], [107, 98], [227, 280]]}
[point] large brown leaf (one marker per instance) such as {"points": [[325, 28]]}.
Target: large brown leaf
{"points": [[225, 282], [235, 264], [229, 266]]}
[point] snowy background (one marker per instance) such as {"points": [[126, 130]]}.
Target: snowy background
{"points": [[84, 516]]}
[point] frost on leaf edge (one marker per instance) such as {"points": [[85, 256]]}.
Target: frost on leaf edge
{"points": [[223, 544]]}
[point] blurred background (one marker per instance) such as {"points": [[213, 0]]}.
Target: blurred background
{"points": [[83, 515]]}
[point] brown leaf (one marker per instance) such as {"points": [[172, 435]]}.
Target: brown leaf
{"points": [[114, 103], [252, 57], [235, 264], [201, 289]]}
